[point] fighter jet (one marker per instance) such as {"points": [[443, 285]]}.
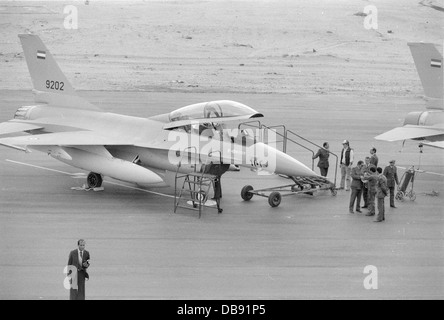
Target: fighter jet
{"points": [[425, 126], [194, 138]]}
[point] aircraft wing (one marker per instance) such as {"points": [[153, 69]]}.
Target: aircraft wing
{"points": [[16, 127], [84, 138], [410, 132], [181, 123]]}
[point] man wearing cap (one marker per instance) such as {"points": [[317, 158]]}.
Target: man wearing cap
{"points": [[392, 178], [346, 165]]}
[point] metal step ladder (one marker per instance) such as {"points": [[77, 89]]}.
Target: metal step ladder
{"points": [[196, 187]]}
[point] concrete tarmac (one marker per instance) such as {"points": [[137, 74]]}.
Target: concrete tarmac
{"points": [[310, 247]]}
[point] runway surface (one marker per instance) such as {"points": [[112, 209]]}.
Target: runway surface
{"points": [[310, 65], [309, 247]]}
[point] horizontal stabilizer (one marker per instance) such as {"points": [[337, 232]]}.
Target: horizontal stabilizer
{"points": [[438, 144], [16, 127], [409, 132]]}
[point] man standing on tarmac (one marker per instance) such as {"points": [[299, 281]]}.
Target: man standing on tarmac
{"points": [[371, 178], [323, 155], [346, 165], [356, 186], [373, 157], [79, 261], [392, 178], [366, 169], [381, 193]]}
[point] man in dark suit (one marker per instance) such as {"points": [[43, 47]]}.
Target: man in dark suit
{"points": [[373, 158], [79, 259], [323, 155], [392, 178], [356, 186]]}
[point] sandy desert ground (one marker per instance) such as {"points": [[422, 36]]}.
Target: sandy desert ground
{"points": [[311, 65]]}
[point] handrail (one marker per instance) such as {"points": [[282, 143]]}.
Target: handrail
{"points": [[284, 147], [247, 123], [286, 139]]}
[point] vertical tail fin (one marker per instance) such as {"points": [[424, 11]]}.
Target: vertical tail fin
{"points": [[50, 84], [45, 73], [429, 64]]}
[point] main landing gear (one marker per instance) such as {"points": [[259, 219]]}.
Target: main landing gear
{"points": [[94, 180]]}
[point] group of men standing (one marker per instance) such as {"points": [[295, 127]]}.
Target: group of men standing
{"points": [[368, 180], [365, 180]]}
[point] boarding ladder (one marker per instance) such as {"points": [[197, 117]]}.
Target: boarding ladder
{"points": [[285, 136], [196, 186]]}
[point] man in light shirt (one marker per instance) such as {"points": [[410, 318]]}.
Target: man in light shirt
{"points": [[346, 165]]}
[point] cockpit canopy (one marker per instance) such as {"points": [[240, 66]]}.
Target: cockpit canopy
{"points": [[213, 109]]}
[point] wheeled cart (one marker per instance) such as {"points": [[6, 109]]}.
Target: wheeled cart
{"points": [[307, 185], [407, 179]]}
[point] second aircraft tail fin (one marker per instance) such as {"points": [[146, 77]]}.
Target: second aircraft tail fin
{"points": [[429, 64]]}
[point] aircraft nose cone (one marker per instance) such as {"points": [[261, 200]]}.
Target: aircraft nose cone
{"points": [[275, 161], [289, 166]]}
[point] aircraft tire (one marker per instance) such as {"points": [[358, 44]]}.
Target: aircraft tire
{"points": [[94, 180]]}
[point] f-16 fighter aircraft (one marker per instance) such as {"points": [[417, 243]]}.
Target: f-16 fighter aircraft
{"points": [[133, 149], [425, 126]]}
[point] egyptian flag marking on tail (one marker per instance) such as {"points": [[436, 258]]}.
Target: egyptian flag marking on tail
{"points": [[436, 63], [41, 54]]}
